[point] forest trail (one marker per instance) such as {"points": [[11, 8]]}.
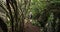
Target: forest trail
{"points": [[28, 27]]}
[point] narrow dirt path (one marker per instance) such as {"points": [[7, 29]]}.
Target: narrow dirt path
{"points": [[28, 27]]}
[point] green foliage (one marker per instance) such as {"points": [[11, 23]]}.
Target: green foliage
{"points": [[36, 8], [35, 23], [20, 8]]}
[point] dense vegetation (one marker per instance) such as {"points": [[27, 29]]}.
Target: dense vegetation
{"points": [[44, 14]]}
